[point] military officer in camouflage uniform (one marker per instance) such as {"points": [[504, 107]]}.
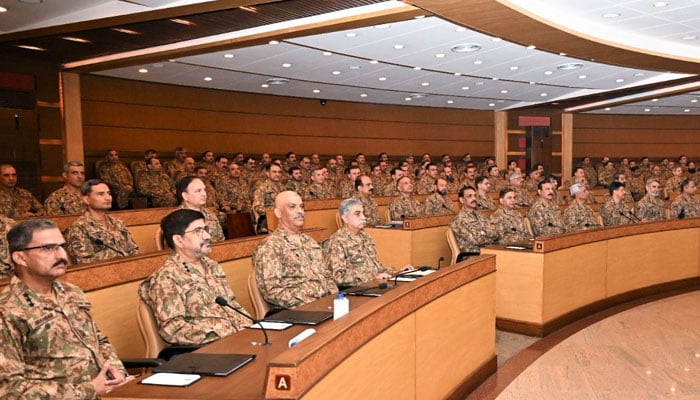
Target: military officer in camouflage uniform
{"points": [[545, 216], [192, 193], [317, 189], [379, 179], [673, 184], [391, 188], [288, 264], [651, 207], [233, 190], [351, 254], [483, 199], [15, 201], [508, 222], [177, 163], [68, 200], [118, 177], [182, 293], [364, 189], [494, 175], [469, 176], [6, 267], [188, 166], [214, 202], [51, 347], [686, 205], [295, 183], [266, 190], [438, 203], [452, 182], [156, 184], [426, 183], [614, 212], [533, 178], [522, 196], [606, 176], [579, 216], [404, 205], [96, 236], [471, 229], [347, 186]]}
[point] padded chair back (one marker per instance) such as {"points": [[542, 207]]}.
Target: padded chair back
{"points": [[388, 216], [160, 242], [260, 306], [528, 226], [454, 247], [338, 221], [149, 330]]}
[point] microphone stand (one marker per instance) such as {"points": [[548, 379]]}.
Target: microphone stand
{"points": [[359, 291], [224, 303], [396, 278], [100, 242]]}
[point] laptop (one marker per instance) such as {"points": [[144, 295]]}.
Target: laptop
{"points": [[299, 317], [205, 364]]}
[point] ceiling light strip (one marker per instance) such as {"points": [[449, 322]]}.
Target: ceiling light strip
{"points": [[632, 98]]}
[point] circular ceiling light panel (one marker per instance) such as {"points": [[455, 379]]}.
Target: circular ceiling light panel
{"points": [[277, 81], [465, 48], [569, 66]]}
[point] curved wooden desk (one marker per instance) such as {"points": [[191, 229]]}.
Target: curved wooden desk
{"points": [[432, 338], [566, 277]]}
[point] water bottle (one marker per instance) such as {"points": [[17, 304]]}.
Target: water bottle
{"points": [[341, 306]]}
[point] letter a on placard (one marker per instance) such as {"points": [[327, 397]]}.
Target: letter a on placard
{"points": [[283, 382]]}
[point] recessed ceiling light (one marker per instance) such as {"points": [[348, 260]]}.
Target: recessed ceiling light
{"points": [[407, 98], [465, 48], [450, 101], [492, 105], [686, 110], [354, 67], [479, 83], [531, 47], [689, 37], [351, 34], [126, 31], [458, 74], [286, 65], [440, 55], [398, 46], [363, 95], [316, 91], [143, 70], [532, 83], [543, 94], [465, 87], [335, 72], [374, 62], [582, 77], [611, 15], [327, 53], [607, 109], [419, 17], [659, 4], [277, 81], [647, 110], [460, 29], [228, 55], [208, 78], [383, 26], [694, 100], [478, 62], [417, 68], [562, 54], [504, 91], [425, 84], [654, 99], [419, 95], [75, 39], [382, 78], [3, 9], [496, 39], [273, 42], [182, 21], [495, 79], [569, 66], [548, 72], [619, 80], [264, 85], [28, 47], [514, 68], [638, 74]]}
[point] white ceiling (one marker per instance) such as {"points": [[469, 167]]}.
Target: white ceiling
{"points": [[499, 76]]}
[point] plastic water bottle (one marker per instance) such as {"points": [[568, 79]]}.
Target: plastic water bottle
{"points": [[341, 306]]}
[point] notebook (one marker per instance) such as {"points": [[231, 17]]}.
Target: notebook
{"points": [[205, 364], [300, 317]]}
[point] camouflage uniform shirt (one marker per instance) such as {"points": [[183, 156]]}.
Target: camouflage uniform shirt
{"points": [[211, 218], [7, 268], [401, 208], [158, 186], [611, 213], [51, 347], [484, 202], [233, 193], [16, 202], [290, 270], [183, 301], [545, 218], [425, 185], [316, 191], [689, 205], [510, 226], [82, 233], [264, 195], [295, 186], [346, 188], [579, 217], [370, 209], [64, 202], [472, 230], [119, 178], [352, 259], [437, 204], [650, 209]]}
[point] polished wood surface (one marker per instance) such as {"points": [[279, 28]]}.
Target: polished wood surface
{"points": [[421, 340], [571, 275]]}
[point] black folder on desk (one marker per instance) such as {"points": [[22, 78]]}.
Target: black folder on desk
{"points": [[370, 291], [205, 364], [300, 317]]}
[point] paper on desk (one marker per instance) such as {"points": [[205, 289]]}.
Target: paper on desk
{"points": [[171, 379], [272, 326]]}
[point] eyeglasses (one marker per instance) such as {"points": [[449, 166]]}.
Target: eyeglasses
{"points": [[47, 248], [198, 231]]}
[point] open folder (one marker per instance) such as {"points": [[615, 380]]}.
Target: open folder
{"points": [[205, 364]]}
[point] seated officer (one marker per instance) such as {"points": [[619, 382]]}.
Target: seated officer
{"points": [[471, 229], [351, 254], [51, 347], [288, 264], [182, 293]]}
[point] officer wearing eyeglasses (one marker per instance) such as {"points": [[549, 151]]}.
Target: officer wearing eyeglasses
{"points": [[51, 347], [182, 292]]}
